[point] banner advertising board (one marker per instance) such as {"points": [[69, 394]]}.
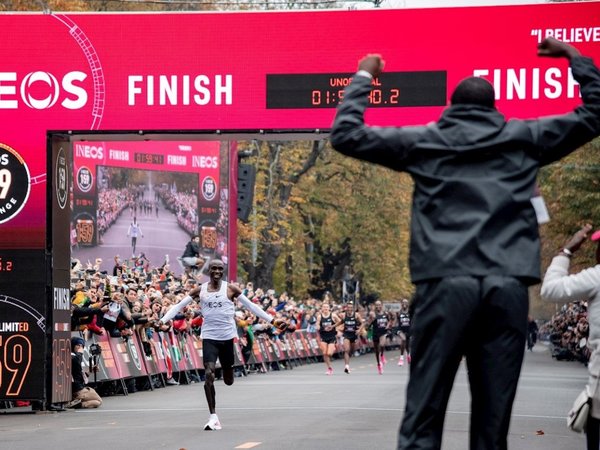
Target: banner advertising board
{"points": [[260, 71]]}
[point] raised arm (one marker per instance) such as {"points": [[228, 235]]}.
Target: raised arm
{"points": [[560, 286], [554, 48], [557, 136], [234, 292], [387, 146], [176, 309]]}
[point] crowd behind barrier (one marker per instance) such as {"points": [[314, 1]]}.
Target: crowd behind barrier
{"points": [[117, 312], [127, 349], [567, 333]]}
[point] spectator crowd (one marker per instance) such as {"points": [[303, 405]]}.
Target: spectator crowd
{"points": [[130, 297], [567, 333]]}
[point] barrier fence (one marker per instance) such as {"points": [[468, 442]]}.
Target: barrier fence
{"points": [[165, 353]]}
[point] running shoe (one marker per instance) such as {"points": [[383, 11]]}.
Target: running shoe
{"points": [[213, 423], [401, 361], [347, 368], [380, 369], [408, 358], [383, 361], [329, 371], [172, 382]]}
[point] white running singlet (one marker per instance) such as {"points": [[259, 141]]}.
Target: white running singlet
{"points": [[218, 312]]}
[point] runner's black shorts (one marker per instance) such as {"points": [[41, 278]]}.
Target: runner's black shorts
{"points": [[350, 336], [328, 338], [379, 334], [213, 349]]}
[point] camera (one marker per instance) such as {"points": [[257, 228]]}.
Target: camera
{"points": [[95, 349]]}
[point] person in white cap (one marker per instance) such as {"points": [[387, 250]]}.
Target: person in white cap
{"points": [[560, 286]]}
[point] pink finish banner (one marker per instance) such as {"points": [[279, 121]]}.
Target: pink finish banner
{"points": [[181, 156], [262, 71]]}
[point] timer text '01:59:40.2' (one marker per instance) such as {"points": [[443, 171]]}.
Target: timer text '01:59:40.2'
{"points": [[388, 97], [6, 265], [327, 90]]}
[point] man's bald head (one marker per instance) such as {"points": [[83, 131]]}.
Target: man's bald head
{"points": [[473, 91]]}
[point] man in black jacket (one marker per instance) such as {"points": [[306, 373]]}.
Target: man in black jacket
{"points": [[474, 237], [191, 259]]}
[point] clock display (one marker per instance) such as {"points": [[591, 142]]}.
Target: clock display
{"points": [[149, 158], [6, 264], [390, 90]]}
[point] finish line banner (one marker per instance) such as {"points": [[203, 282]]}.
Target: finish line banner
{"points": [[260, 71]]}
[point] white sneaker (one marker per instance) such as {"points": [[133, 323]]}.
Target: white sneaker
{"points": [[172, 382], [213, 423]]}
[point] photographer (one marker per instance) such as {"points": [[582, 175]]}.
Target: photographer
{"points": [[83, 395], [117, 320]]}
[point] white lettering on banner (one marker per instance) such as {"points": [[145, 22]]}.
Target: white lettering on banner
{"points": [[61, 299], [89, 151], [176, 160], [76, 97], [571, 35], [175, 90], [7, 327], [205, 162], [8, 205], [530, 84], [119, 155], [7, 90]]}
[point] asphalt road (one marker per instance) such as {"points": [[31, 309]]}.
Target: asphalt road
{"points": [[300, 408]]}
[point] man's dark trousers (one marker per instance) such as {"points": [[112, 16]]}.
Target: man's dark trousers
{"points": [[484, 319]]}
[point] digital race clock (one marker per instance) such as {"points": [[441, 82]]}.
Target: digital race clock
{"points": [[149, 158], [6, 264], [390, 90]]}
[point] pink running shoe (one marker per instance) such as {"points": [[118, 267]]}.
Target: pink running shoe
{"points": [[329, 371], [408, 359], [401, 361], [380, 369]]}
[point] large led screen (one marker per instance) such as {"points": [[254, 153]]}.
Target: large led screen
{"points": [[141, 202], [259, 72]]}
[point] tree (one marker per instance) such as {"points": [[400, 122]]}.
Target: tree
{"points": [[571, 189], [280, 166], [361, 213], [338, 214]]}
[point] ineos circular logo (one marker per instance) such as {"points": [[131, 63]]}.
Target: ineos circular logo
{"points": [[85, 179], [15, 183], [43, 77], [134, 354], [62, 179], [209, 189]]}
